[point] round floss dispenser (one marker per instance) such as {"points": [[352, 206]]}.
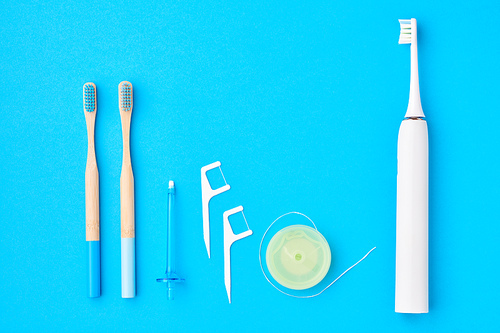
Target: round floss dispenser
{"points": [[298, 257]]}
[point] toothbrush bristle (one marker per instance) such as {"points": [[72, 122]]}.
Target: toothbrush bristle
{"points": [[126, 96], [405, 34], [89, 97]]}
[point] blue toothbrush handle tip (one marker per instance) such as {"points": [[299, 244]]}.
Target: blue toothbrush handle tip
{"points": [[94, 259]]}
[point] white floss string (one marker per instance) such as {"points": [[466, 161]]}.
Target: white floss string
{"points": [[222, 173], [309, 296], [245, 220]]}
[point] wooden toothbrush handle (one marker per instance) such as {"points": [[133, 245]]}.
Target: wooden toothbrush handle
{"points": [[91, 184], [127, 182], [127, 202], [92, 202]]}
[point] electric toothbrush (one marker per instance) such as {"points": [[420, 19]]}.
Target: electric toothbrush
{"points": [[412, 194]]}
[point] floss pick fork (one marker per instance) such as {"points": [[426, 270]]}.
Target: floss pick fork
{"points": [[207, 193], [229, 239]]}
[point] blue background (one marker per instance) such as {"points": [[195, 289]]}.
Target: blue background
{"points": [[301, 102]]}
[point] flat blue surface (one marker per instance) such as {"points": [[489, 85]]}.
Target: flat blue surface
{"points": [[301, 103]]}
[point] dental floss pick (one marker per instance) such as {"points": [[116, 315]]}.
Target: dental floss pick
{"points": [[207, 193], [229, 239], [307, 296], [170, 275]]}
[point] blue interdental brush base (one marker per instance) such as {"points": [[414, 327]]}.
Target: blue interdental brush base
{"points": [[170, 276]]}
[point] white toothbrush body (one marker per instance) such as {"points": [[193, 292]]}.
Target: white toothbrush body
{"points": [[412, 218], [412, 195]]}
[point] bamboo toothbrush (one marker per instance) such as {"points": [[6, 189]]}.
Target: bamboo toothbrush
{"points": [[412, 194], [125, 101], [92, 194]]}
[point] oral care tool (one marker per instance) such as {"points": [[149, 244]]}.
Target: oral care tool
{"points": [[298, 257], [125, 92], [92, 193], [170, 276], [208, 193], [412, 194], [229, 239]]}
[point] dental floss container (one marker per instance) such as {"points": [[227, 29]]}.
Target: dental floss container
{"points": [[298, 257]]}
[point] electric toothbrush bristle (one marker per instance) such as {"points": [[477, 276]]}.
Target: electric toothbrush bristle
{"points": [[405, 33]]}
